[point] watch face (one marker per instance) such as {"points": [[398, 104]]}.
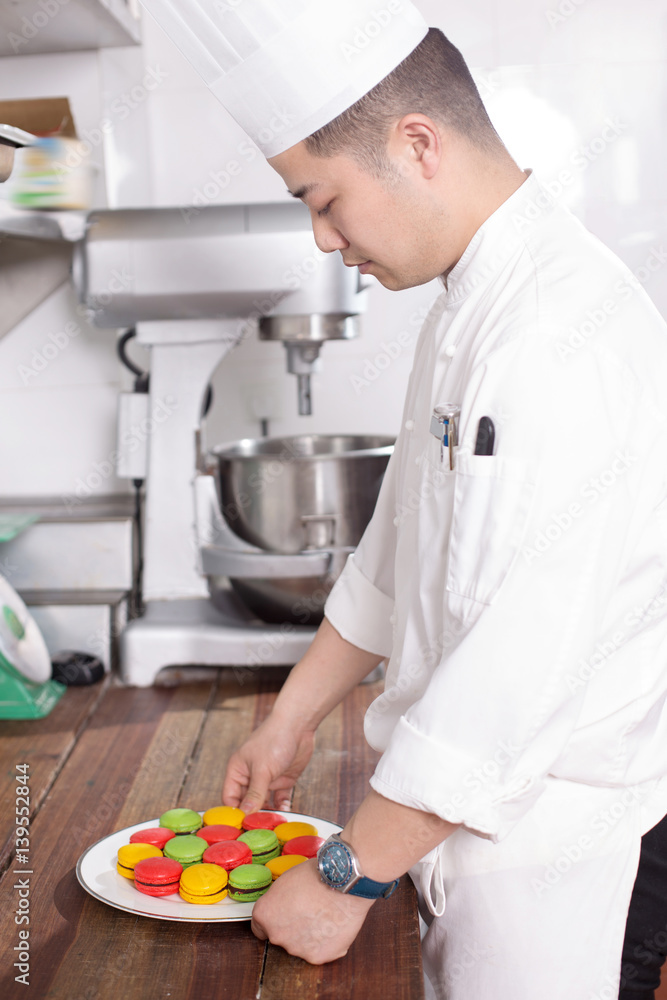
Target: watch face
{"points": [[336, 864]]}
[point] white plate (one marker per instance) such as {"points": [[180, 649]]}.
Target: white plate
{"points": [[96, 871]]}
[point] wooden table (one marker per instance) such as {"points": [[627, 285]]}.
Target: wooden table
{"points": [[108, 757]]}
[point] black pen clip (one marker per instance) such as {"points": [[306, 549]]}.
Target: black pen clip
{"points": [[486, 436]]}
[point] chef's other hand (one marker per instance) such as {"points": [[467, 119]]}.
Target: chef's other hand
{"points": [[270, 761], [307, 918]]}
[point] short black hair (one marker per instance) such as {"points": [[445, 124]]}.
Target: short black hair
{"points": [[435, 81]]}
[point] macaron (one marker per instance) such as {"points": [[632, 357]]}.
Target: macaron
{"points": [[288, 831], [130, 854], [155, 835], [248, 882], [203, 884], [181, 820], [306, 846], [263, 844], [228, 854], [262, 821], [157, 876], [217, 832], [186, 850], [225, 815], [278, 866]]}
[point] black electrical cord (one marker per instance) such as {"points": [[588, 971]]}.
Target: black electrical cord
{"points": [[137, 600], [142, 380]]}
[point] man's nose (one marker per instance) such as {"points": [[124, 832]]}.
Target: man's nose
{"points": [[327, 237]]}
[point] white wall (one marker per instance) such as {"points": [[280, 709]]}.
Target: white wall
{"points": [[58, 392], [554, 74]]}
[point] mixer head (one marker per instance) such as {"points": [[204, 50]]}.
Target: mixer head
{"points": [[303, 337]]}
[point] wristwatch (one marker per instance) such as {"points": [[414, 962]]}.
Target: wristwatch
{"points": [[339, 869]]}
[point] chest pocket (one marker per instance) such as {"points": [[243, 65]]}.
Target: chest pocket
{"points": [[493, 497]]}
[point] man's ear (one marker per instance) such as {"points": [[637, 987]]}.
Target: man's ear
{"points": [[416, 142]]}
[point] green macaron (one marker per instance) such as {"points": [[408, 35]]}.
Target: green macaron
{"points": [[181, 820], [248, 882], [264, 845], [186, 850]]}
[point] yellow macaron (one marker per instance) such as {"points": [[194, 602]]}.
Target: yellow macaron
{"points": [[278, 866], [224, 816], [203, 884], [288, 831], [130, 854]]}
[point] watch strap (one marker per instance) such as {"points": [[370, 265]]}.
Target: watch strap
{"points": [[370, 889]]}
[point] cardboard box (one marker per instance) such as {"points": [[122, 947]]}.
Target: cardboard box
{"points": [[41, 116]]}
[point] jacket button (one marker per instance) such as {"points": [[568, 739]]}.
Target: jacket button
{"points": [[450, 350], [409, 425]]}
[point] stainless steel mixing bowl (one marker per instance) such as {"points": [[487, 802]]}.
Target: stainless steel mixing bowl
{"points": [[292, 494]]}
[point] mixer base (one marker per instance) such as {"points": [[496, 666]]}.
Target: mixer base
{"points": [[195, 633]]}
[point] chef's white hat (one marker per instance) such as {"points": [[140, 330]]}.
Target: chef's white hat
{"points": [[285, 68]]}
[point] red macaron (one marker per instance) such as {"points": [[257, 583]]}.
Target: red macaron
{"points": [[155, 835], [306, 846], [262, 821], [228, 854], [161, 879], [214, 834]]}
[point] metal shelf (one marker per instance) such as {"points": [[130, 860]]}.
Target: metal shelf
{"points": [[27, 28], [67, 226]]}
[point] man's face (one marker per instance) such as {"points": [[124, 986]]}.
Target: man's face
{"points": [[387, 227]]}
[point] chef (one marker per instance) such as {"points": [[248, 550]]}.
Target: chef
{"points": [[514, 574]]}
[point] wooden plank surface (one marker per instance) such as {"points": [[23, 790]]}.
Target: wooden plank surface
{"points": [[79, 944], [141, 752], [44, 745]]}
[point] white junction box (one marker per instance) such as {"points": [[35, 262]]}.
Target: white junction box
{"points": [[133, 434]]}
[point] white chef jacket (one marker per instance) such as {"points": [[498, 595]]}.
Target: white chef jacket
{"points": [[521, 602]]}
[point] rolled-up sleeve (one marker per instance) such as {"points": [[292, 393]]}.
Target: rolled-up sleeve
{"points": [[360, 612]]}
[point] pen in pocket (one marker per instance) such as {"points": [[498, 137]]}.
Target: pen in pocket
{"points": [[486, 436]]}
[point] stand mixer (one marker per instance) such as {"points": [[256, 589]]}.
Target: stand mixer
{"points": [[193, 283]]}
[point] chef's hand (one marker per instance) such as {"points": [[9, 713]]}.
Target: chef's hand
{"points": [[308, 919], [270, 761]]}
